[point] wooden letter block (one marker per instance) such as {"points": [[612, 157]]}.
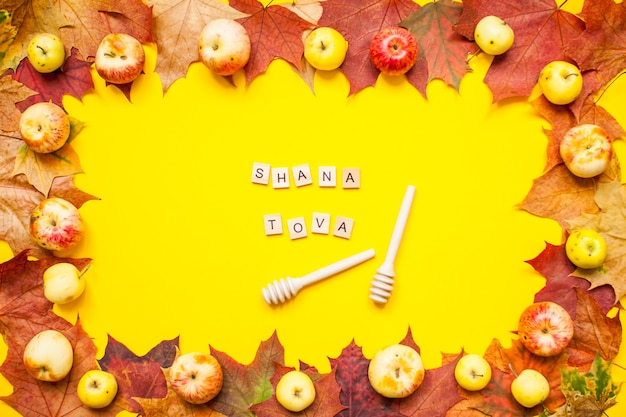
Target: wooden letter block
{"points": [[320, 223], [343, 227], [273, 224], [302, 175], [297, 228], [280, 177], [260, 173], [327, 176], [351, 178]]}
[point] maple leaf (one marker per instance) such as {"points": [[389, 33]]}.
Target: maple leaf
{"points": [[542, 30], [24, 311], [42, 168], [177, 26], [74, 79], [275, 32], [11, 92], [246, 385], [601, 45], [594, 332], [87, 22], [590, 393], [326, 403], [437, 393], [29, 18], [18, 198], [559, 195], [610, 222], [497, 400], [553, 264], [138, 376], [443, 49], [8, 32], [356, 392], [358, 22]]}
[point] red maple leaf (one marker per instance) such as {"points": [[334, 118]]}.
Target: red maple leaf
{"points": [[356, 392], [359, 22], [541, 29], [275, 32], [553, 264], [601, 46], [74, 79], [443, 49], [138, 376]]}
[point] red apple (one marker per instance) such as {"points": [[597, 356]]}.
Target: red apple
{"points": [[545, 328], [586, 150], [44, 127], [196, 377], [224, 46], [393, 50], [120, 58], [56, 224]]}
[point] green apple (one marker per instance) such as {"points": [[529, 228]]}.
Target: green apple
{"points": [[46, 52], [97, 388], [560, 82], [295, 391], [493, 35], [530, 388], [472, 372], [325, 48], [396, 371], [48, 356], [586, 248], [62, 283]]}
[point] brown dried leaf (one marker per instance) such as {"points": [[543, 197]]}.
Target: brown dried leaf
{"points": [[11, 92], [177, 26]]}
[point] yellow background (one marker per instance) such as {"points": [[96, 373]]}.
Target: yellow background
{"points": [[178, 241]]}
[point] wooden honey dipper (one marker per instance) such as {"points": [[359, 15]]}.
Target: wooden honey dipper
{"points": [[383, 281], [282, 290]]}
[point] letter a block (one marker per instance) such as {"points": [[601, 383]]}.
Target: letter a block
{"points": [[343, 227]]}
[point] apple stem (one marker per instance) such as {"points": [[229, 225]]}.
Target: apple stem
{"points": [[84, 270], [109, 54], [573, 73], [43, 51]]}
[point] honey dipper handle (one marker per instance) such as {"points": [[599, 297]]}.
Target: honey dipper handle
{"points": [[336, 267], [398, 230]]}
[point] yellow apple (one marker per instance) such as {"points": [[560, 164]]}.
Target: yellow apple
{"points": [[48, 356], [45, 52], [97, 388], [396, 371], [472, 372], [560, 82], [62, 283], [325, 48], [295, 391], [530, 388], [493, 35], [586, 248]]}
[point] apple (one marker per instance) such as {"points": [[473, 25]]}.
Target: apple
{"points": [[472, 372], [295, 391], [586, 248], [393, 50], [44, 127], [586, 150], [530, 388], [545, 328], [493, 35], [62, 283], [56, 224], [560, 82], [46, 52], [48, 356], [396, 371], [97, 388], [325, 48], [120, 58], [224, 46], [196, 377]]}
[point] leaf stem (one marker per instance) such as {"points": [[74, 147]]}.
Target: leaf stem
{"points": [[608, 86]]}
